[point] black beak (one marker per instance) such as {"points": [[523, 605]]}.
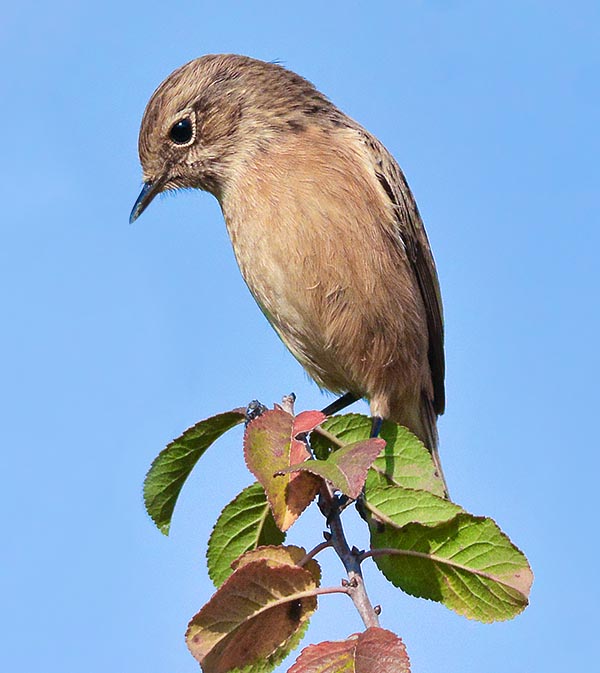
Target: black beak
{"points": [[149, 191]]}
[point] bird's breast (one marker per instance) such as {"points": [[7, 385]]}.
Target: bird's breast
{"points": [[314, 239]]}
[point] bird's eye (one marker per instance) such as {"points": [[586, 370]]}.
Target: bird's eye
{"points": [[182, 131]]}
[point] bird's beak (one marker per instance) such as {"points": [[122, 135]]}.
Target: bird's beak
{"points": [[149, 191]]}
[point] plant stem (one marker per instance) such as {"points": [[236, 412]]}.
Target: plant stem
{"points": [[323, 591], [332, 438], [313, 552], [349, 557]]}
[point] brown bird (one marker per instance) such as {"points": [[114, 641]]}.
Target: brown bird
{"points": [[323, 224]]}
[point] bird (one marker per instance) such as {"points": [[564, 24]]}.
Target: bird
{"points": [[324, 227]]}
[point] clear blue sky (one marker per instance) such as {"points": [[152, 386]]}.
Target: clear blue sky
{"points": [[115, 338]]}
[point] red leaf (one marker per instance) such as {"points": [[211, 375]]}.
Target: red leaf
{"points": [[346, 468], [307, 421], [269, 448], [375, 650]]}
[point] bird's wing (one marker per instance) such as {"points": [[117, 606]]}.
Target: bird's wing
{"points": [[412, 233]]}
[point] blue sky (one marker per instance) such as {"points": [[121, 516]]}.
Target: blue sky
{"points": [[115, 338]]}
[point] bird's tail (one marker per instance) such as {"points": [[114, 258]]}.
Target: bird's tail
{"points": [[420, 417], [429, 436]]}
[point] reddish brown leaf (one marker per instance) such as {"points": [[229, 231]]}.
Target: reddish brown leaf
{"points": [[269, 448], [347, 467], [381, 651], [279, 555], [373, 651], [332, 656], [307, 421], [254, 617]]}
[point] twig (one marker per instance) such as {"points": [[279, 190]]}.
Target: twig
{"points": [[313, 552], [349, 557], [332, 438], [322, 591], [287, 403]]}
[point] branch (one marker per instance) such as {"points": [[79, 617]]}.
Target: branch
{"points": [[351, 558]]}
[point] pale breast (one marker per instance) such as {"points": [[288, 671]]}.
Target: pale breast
{"points": [[313, 234]]}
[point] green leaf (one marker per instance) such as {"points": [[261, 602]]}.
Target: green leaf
{"points": [[396, 506], [467, 563], [347, 468], [405, 460], [244, 524], [173, 465]]}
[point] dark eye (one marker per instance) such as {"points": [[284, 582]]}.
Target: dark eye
{"points": [[182, 131]]}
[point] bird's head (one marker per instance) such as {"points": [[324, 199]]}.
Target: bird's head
{"points": [[208, 119]]}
